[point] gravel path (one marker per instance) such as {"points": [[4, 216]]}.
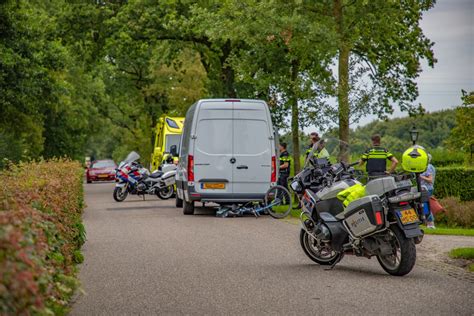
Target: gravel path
{"points": [[433, 254]]}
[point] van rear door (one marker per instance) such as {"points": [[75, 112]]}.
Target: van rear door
{"points": [[252, 148], [213, 147]]}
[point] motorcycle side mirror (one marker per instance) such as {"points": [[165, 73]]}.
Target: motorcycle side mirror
{"points": [[174, 150]]}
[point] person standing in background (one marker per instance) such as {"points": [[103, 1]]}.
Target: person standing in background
{"points": [[376, 158], [314, 137], [427, 182], [285, 163]]}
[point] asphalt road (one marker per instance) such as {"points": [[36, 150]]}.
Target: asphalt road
{"points": [[146, 257]]}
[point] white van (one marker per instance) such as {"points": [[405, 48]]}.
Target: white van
{"points": [[227, 153]]}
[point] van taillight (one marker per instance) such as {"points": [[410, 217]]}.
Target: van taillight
{"points": [[274, 170], [190, 168]]}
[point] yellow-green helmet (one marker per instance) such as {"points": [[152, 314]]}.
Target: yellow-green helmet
{"points": [[415, 159]]}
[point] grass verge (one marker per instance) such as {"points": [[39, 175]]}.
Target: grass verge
{"points": [[449, 231], [462, 253]]}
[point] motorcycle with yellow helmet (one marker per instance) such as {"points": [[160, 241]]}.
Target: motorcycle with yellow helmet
{"points": [[341, 216]]}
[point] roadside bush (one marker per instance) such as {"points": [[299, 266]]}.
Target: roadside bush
{"points": [[455, 181], [41, 232], [457, 213], [445, 158]]}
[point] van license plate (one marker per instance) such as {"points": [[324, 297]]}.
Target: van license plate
{"points": [[213, 186], [408, 216]]}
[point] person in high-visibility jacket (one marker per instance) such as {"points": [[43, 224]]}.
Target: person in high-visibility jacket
{"points": [[314, 137], [321, 152], [285, 164], [169, 159], [376, 158]]}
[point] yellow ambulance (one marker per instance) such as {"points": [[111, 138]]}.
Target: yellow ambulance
{"points": [[168, 135]]}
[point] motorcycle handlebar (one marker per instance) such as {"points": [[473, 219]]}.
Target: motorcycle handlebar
{"points": [[354, 164]]}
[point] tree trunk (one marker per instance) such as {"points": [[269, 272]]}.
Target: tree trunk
{"points": [[343, 82], [295, 133], [227, 72]]}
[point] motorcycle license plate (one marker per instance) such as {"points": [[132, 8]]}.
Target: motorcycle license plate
{"points": [[213, 186], [408, 216]]}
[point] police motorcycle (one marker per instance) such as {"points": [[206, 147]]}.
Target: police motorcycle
{"points": [[341, 216], [133, 178]]}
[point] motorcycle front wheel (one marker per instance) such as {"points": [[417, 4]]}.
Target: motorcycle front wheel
{"points": [[403, 257], [165, 193], [120, 194], [321, 254]]}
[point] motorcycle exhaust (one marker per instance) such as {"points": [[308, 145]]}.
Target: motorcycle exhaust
{"points": [[419, 239]]}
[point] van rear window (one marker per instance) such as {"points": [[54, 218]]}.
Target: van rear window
{"points": [[214, 136], [251, 137]]}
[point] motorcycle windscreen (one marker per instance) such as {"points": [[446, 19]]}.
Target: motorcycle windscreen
{"points": [[132, 156]]}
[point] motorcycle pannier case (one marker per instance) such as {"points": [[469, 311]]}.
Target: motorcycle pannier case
{"points": [[169, 178], [364, 216]]}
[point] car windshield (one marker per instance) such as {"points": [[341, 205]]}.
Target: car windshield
{"points": [[172, 140], [103, 164]]}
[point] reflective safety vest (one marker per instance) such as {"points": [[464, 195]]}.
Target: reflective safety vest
{"points": [[323, 153], [168, 156], [352, 193], [376, 159]]}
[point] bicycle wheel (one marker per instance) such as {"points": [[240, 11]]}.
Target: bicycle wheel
{"points": [[278, 202]]}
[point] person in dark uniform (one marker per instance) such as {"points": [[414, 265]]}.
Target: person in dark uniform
{"points": [[285, 163], [376, 158]]}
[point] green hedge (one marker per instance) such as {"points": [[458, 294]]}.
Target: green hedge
{"points": [[455, 181], [41, 233], [446, 158]]}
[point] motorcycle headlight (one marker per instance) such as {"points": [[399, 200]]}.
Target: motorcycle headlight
{"points": [[296, 186]]}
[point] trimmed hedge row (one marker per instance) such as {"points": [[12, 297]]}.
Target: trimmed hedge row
{"points": [[455, 181], [41, 233], [446, 158]]}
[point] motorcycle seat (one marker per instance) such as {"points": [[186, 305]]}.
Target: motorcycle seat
{"points": [[156, 175]]}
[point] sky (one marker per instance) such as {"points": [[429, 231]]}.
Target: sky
{"points": [[450, 25]]}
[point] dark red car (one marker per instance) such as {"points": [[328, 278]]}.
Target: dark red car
{"points": [[101, 170]]}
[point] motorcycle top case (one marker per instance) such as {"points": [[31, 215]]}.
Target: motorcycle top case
{"points": [[364, 216]]}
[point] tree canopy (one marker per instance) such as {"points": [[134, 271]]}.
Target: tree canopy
{"points": [[92, 77]]}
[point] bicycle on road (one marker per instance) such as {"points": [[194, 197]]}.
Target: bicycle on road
{"points": [[277, 203]]}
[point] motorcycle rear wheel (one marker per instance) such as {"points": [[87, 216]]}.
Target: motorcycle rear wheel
{"points": [[315, 253], [165, 193], [403, 257], [120, 194]]}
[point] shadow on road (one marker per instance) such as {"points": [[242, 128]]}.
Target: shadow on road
{"points": [[133, 208], [342, 268], [205, 211]]}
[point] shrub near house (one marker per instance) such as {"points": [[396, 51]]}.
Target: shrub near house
{"points": [[40, 235]]}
